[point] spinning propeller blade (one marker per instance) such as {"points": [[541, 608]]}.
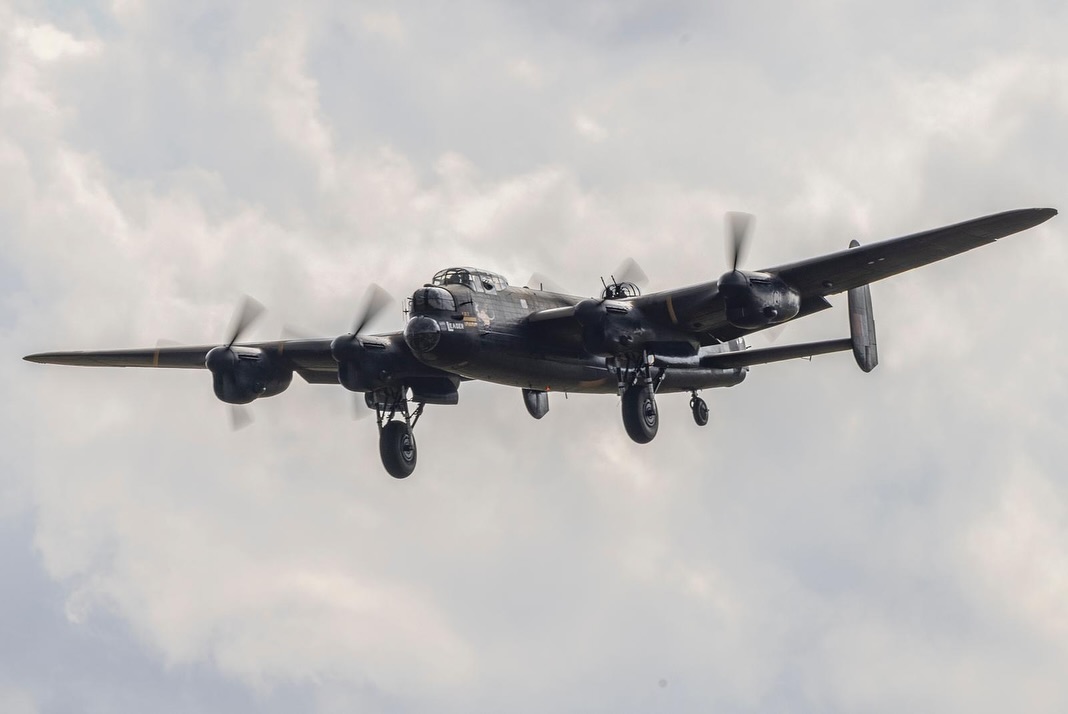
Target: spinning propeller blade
{"points": [[630, 272], [375, 300], [246, 314], [739, 228], [240, 417], [540, 281]]}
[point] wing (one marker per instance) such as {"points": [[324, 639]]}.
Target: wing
{"points": [[699, 309], [866, 264], [311, 359]]}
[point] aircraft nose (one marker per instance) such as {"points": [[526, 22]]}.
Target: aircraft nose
{"points": [[422, 334]]}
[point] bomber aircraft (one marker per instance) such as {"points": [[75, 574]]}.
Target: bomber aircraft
{"points": [[468, 324]]}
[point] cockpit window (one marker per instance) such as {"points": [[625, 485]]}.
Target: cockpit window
{"points": [[478, 280], [453, 276]]}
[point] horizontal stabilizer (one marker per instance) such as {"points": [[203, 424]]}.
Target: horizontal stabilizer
{"points": [[764, 355]]}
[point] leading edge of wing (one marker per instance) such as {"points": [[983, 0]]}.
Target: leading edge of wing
{"points": [[851, 268], [191, 357], [305, 353]]}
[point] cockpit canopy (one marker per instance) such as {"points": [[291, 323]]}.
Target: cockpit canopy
{"points": [[482, 281]]}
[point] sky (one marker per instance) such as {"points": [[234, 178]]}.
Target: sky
{"points": [[832, 541]]}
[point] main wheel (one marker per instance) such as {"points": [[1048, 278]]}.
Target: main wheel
{"points": [[700, 411], [396, 444], [640, 415]]}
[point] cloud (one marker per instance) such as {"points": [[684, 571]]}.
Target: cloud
{"points": [[17, 701], [589, 128]]}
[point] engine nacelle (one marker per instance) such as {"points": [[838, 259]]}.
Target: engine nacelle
{"points": [[610, 327], [242, 374], [365, 364], [754, 300]]}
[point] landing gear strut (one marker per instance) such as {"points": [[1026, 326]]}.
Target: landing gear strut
{"points": [[699, 409], [396, 438]]}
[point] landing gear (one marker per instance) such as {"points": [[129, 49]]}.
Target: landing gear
{"points": [[396, 444], [641, 418], [699, 409], [634, 377], [396, 437]]}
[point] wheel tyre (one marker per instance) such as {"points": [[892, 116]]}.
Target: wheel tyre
{"points": [[641, 418], [700, 411], [396, 444]]}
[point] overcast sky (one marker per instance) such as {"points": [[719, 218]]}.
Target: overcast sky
{"points": [[832, 541]]}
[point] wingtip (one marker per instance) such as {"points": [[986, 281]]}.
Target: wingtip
{"points": [[1035, 216]]}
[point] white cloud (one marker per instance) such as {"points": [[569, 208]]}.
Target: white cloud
{"points": [[387, 25], [1020, 552], [47, 43], [527, 72], [589, 128], [291, 97]]}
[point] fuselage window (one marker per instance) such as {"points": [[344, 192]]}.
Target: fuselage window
{"points": [[441, 300]]}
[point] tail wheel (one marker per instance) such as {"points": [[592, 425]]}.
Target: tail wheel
{"points": [[641, 418], [396, 444], [700, 410]]}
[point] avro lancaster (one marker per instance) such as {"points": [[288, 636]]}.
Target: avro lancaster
{"points": [[470, 324]]}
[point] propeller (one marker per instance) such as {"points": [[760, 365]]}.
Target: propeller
{"points": [[626, 272], [240, 417], [375, 300], [772, 334], [540, 281], [289, 332], [630, 272], [752, 300], [224, 359], [224, 356], [739, 228], [346, 349], [248, 312]]}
